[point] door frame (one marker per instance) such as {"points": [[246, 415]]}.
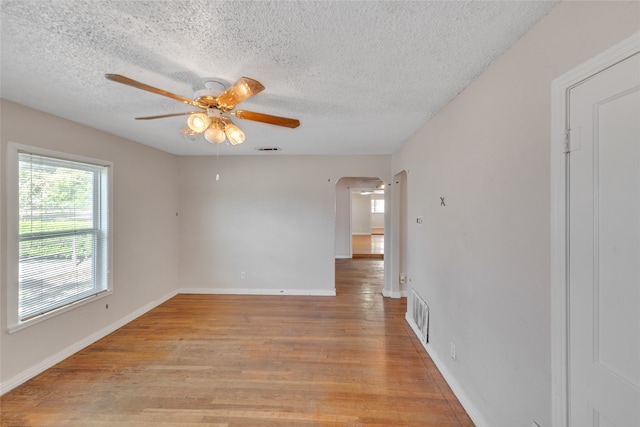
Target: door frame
{"points": [[398, 237], [559, 198], [352, 190]]}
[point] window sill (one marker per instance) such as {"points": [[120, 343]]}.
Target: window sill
{"points": [[22, 325]]}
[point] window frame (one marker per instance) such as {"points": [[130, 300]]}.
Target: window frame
{"points": [[14, 323]]}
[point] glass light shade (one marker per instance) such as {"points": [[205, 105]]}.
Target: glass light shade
{"points": [[214, 135], [188, 134], [198, 122], [234, 134]]}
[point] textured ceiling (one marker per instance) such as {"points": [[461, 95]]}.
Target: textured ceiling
{"points": [[362, 77]]}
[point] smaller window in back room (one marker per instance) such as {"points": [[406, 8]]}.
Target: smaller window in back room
{"points": [[377, 205]]}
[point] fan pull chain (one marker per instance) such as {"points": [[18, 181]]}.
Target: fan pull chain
{"points": [[217, 162]]}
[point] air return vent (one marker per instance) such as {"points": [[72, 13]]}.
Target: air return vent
{"points": [[420, 316], [268, 149]]}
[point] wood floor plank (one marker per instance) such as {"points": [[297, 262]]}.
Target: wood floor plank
{"points": [[367, 246], [229, 360]]}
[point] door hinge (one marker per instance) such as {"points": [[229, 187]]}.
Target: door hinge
{"points": [[571, 140]]}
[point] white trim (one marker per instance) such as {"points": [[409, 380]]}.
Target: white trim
{"points": [[394, 294], [12, 328], [249, 291], [387, 294], [27, 374], [466, 403], [559, 300], [396, 250], [350, 223], [343, 257]]}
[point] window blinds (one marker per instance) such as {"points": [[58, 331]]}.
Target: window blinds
{"points": [[63, 233]]}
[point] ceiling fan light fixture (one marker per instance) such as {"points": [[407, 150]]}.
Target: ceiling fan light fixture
{"points": [[188, 134], [214, 134], [198, 122], [234, 134]]}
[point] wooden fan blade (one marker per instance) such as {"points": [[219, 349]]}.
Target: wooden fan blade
{"points": [[241, 90], [266, 118], [162, 116], [130, 82]]}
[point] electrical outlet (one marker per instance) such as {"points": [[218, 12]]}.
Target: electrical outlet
{"points": [[243, 275], [452, 351], [419, 220]]}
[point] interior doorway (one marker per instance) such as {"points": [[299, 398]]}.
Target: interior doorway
{"points": [[596, 241], [360, 218], [367, 221]]}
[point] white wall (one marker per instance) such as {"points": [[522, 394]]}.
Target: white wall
{"points": [[482, 261], [145, 228], [360, 213], [377, 220], [271, 217]]}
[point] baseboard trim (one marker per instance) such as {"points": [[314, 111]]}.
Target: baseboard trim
{"points": [[249, 291], [368, 256], [343, 256], [466, 403], [29, 373], [392, 294]]}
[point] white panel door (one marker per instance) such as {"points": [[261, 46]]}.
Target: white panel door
{"points": [[604, 248]]}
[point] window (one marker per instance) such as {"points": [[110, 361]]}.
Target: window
{"points": [[377, 205], [63, 234]]}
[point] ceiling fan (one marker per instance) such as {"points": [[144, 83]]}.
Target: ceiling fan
{"points": [[216, 104]]}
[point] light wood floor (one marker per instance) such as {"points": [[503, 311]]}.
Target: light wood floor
{"points": [[224, 360], [367, 246]]}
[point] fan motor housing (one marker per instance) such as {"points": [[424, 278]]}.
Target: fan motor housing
{"points": [[209, 95]]}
